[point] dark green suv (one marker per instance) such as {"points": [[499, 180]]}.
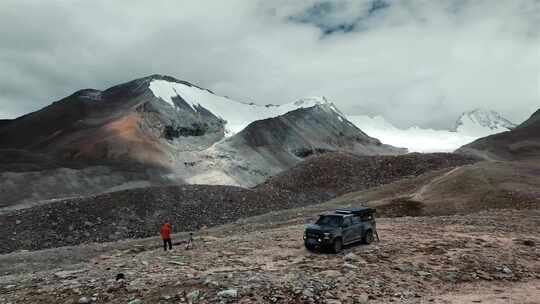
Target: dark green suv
{"points": [[341, 227]]}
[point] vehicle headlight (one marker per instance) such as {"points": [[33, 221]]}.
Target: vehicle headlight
{"points": [[320, 240]]}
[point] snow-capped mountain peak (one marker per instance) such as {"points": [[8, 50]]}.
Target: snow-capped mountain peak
{"points": [[236, 114], [482, 122]]}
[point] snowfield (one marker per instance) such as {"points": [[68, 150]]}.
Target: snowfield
{"points": [[470, 126], [237, 114]]}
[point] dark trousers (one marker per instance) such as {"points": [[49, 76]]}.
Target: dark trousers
{"points": [[165, 242]]}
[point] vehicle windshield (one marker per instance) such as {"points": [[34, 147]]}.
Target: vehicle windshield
{"points": [[329, 220]]}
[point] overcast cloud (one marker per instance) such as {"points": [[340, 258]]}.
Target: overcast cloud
{"points": [[416, 62]]}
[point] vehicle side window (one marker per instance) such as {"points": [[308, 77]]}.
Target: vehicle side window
{"points": [[367, 217], [356, 220], [347, 222]]}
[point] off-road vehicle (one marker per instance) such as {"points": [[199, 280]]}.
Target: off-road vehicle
{"points": [[341, 227]]}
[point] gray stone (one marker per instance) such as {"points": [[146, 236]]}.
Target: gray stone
{"points": [[362, 299], [452, 276], [84, 300], [132, 288], [349, 266], [194, 296], [308, 293], [351, 257], [229, 293], [330, 274]]}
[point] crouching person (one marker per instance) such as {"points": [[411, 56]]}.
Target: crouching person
{"points": [[189, 244]]}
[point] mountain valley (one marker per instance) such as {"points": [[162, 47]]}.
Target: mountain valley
{"points": [[86, 182]]}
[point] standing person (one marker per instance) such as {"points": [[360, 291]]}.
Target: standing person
{"points": [[166, 236]]}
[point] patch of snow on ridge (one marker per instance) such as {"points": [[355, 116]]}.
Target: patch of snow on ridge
{"points": [[237, 114]]}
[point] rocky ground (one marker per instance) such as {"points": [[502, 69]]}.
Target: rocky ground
{"points": [[334, 174], [487, 257], [137, 213]]}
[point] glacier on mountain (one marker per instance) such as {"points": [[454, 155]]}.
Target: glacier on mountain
{"points": [[469, 127]]}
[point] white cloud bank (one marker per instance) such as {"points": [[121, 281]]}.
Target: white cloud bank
{"points": [[416, 62]]}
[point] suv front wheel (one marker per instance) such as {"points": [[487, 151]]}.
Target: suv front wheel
{"points": [[337, 245]]}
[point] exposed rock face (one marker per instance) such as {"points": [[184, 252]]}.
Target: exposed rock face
{"points": [[521, 143]]}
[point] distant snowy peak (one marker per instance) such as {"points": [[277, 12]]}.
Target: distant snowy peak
{"points": [[311, 101], [415, 139], [236, 114], [482, 122], [469, 127]]}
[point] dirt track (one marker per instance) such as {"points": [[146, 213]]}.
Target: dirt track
{"points": [[492, 257]]}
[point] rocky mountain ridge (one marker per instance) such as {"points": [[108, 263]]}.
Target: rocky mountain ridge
{"points": [[158, 130]]}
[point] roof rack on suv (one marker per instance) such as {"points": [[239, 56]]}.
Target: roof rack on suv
{"points": [[361, 210]]}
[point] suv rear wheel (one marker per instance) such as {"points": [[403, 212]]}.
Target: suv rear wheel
{"points": [[337, 245], [368, 237]]}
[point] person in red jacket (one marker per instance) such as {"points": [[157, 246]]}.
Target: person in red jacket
{"points": [[166, 236]]}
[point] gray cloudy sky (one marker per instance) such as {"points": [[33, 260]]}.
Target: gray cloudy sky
{"points": [[413, 61]]}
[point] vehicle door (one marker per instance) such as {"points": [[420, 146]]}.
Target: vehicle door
{"points": [[347, 230], [358, 227]]}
